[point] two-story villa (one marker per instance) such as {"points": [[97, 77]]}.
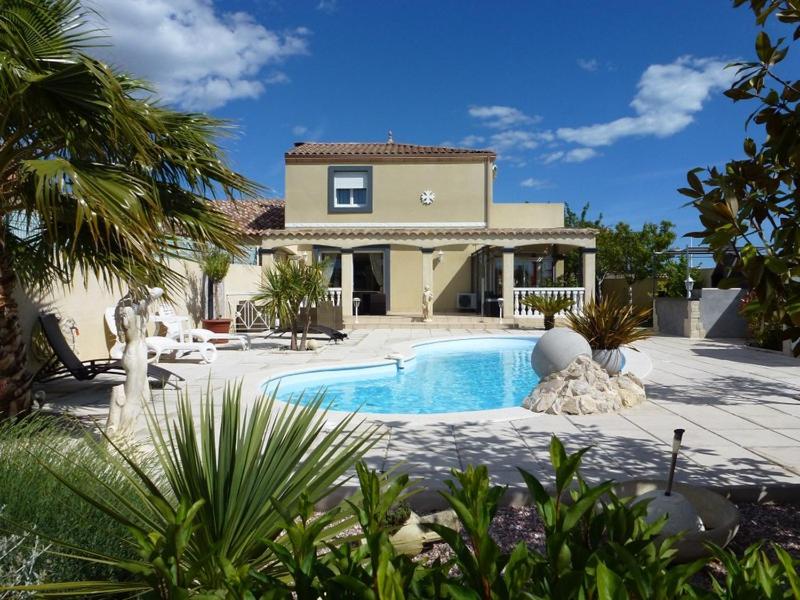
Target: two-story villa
{"points": [[396, 218]]}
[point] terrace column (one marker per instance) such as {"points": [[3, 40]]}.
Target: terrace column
{"points": [[427, 273], [508, 283], [588, 255], [266, 258], [347, 282]]}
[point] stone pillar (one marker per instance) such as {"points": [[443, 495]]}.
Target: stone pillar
{"points": [[692, 325], [347, 282], [427, 274], [508, 283], [588, 255]]}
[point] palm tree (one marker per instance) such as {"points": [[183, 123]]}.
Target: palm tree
{"points": [[95, 174], [289, 287]]}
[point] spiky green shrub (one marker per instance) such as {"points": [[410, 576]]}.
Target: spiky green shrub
{"points": [[549, 306], [609, 323], [208, 522]]}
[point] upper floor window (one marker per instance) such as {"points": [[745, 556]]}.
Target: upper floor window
{"points": [[350, 189]]}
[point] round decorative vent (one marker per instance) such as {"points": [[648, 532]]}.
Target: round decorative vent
{"points": [[427, 197]]}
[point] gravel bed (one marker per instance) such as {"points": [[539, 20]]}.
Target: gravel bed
{"points": [[777, 523]]}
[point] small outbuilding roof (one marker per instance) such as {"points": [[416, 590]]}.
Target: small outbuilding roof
{"points": [[381, 151]]}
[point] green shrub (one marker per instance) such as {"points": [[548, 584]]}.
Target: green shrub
{"points": [[609, 323], [35, 501], [209, 521]]}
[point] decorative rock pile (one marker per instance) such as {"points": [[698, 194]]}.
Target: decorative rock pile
{"points": [[584, 387]]}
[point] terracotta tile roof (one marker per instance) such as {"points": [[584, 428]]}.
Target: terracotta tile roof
{"points": [[254, 216], [317, 150], [430, 232]]}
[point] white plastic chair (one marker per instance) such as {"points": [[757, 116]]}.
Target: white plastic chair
{"points": [[172, 321], [158, 345]]}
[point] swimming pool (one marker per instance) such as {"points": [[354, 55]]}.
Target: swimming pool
{"points": [[444, 376]]}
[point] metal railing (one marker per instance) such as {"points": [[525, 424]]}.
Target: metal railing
{"points": [[576, 294], [249, 317]]}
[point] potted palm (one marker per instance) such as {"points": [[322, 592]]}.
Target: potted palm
{"points": [[215, 263], [549, 306], [608, 325], [288, 292]]}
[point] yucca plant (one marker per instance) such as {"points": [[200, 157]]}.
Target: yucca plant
{"points": [[549, 306], [215, 263], [289, 287], [609, 323], [207, 525]]}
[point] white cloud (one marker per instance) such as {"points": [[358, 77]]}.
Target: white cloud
{"points": [[197, 56], [535, 184], [299, 130], [552, 157], [276, 77], [588, 64], [501, 117], [328, 6], [472, 140], [667, 98], [576, 155]]}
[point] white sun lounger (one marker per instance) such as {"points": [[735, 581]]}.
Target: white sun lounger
{"points": [[158, 345], [172, 322]]}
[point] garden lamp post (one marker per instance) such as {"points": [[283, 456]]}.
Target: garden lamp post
{"points": [[688, 282], [629, 279], [356, 303], [500, 308]]}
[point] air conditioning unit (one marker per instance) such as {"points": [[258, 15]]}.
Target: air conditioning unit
{"points": [[467, 301]]}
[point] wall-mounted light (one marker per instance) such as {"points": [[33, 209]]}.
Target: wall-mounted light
{"points": [[438, 256]]}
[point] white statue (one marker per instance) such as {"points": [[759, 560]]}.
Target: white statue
{"points": [[131, 317], [427, 304]]}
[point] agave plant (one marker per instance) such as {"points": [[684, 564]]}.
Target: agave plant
{"points": [[549, 306], [206, 523], [609, 323]]}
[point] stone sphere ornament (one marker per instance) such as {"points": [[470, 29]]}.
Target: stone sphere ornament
{"points": [[681, 515], [556, 350]]}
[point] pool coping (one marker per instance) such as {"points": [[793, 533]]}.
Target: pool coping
{"points": [[404, 351]]}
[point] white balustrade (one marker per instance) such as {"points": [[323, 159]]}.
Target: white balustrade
{"points": [[576, 294], [335, 296]]}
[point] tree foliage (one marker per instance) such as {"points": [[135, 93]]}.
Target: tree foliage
{"points": [[625, 251], [751, 206], [95, 173]]}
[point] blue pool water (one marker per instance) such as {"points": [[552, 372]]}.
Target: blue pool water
{"points": [[448, 376]]}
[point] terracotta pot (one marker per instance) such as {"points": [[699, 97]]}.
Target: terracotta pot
{"points": [[217, 326], [610, 360]]}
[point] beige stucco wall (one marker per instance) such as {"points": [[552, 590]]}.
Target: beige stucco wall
{"points": [[460, 193], [451, 275], [517, 215], [87, 300], [405, 280]]}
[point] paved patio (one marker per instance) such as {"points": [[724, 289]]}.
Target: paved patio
{"points": [[740, 408]]}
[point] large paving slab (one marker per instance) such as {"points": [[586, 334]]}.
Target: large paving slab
{"points": [[740, 408]]}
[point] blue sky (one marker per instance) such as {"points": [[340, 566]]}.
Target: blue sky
{"points": [[601, 102]]}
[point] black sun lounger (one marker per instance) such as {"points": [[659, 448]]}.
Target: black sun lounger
{"points": [[333, 335], [66, 363]]}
